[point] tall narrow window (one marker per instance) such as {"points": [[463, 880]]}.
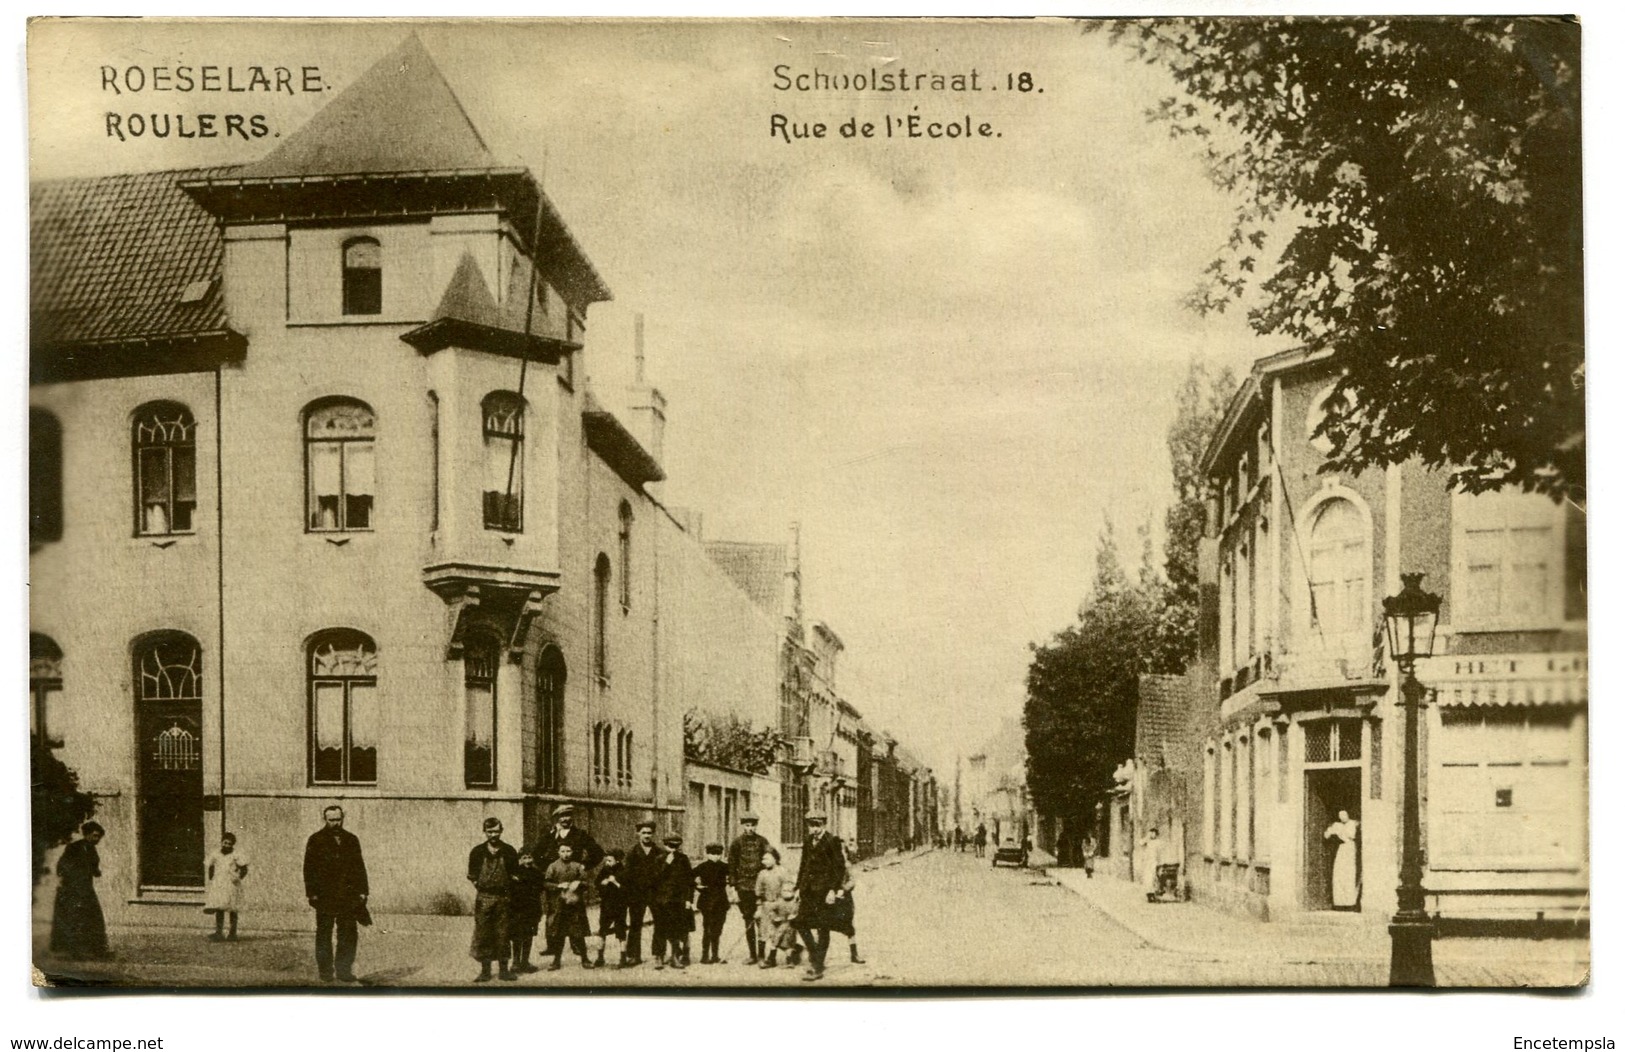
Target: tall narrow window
{"points": [[44, 477], [626, 771], [626, 556], [480, 692], [44, 680], [600, 619], [363, 276], [434, 461], [343, 673], [550, 679], [1339, 577], [504, 415], [164, 435], [339, 470]]}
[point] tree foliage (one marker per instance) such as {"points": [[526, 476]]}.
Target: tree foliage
{"points": [[1083, 683], [728, 741], [57, 806], [1199, 407], [1428, 173]]}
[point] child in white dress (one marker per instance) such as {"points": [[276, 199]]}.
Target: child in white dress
{"points": [[223, 891]]}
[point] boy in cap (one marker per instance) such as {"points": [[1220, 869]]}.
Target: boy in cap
{"points": [[524, 912], [744, 862], [711, 881], [565, 882], [673, 899], [492, 866], [611, 907], [639, 872]]}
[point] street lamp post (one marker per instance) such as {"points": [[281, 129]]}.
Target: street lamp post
{"points": [[1411, 618]]}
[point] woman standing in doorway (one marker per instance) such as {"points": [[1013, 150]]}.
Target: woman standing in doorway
{"points": [[1344, 834]]}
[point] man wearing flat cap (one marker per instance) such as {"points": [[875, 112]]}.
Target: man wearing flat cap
{"points": [[744, 862], [583, 848], [493, 867], [822, 883], [639, 874]]}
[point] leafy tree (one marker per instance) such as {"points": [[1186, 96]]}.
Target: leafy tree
{"points": [[728, 741], [58, 807], [1082, 687], [1201, 404], [1427, 172]]}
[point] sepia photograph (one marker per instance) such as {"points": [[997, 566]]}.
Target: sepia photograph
{"points": [[778, 506]]}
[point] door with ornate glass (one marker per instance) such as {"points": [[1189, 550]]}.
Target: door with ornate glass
{"points": [[169, 760]]}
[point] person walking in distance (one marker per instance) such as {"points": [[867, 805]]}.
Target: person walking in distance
{"points": [[821, 884], [336, 887], [744, 863], [493, 866], [640, 872], [981, 840], [1087, 851]]}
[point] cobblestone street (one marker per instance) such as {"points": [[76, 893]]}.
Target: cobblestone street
{"points": [[937, 918]]}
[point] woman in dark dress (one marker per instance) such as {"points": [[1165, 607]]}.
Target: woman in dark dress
{"points": [[78, 931]]}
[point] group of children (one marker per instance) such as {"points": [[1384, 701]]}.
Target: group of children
{"points": [[557, 895]]}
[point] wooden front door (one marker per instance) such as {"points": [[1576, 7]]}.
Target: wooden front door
{"points": [[169, 763]]}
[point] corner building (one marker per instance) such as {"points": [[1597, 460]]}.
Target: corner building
{"points": [[323, 511], [1294, 702]]}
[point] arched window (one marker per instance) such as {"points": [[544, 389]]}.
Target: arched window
{"points": [[504, 416], [480, 657], [363, 276], [550, 679], [164, 438], [600, 754], [626, 556], [44, 477], [600, 619], [339, 471], [1339, 571], [44, 679], [343, 678]]}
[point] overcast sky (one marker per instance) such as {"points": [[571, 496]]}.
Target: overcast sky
{"points": [[948, 360]]}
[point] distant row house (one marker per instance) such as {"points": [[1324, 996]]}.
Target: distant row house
{"points": [[322, 509], [1289, 719]]}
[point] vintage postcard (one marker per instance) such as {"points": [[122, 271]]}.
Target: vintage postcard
{"points": [[773, 504]]}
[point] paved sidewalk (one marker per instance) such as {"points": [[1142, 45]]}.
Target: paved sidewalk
{"points": [[1349, 946]]}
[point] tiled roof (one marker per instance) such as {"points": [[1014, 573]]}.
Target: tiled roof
{"points": [[354, 134], [111, 259], [757, 568], [469, 316]]}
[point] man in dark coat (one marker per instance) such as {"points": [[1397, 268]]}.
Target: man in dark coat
{"points": [[744, 862], [336, 886], [584, 849], [822, 883], [673, 901], [639, 874]]}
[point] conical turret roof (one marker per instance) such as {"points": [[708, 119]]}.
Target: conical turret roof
{"points": [[399, 116]]}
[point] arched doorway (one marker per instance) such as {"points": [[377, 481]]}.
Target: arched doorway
{"points": [[169, 759], [550, 679]]}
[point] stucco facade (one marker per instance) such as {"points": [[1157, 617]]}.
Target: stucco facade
{"points": [[1296, 717]]}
